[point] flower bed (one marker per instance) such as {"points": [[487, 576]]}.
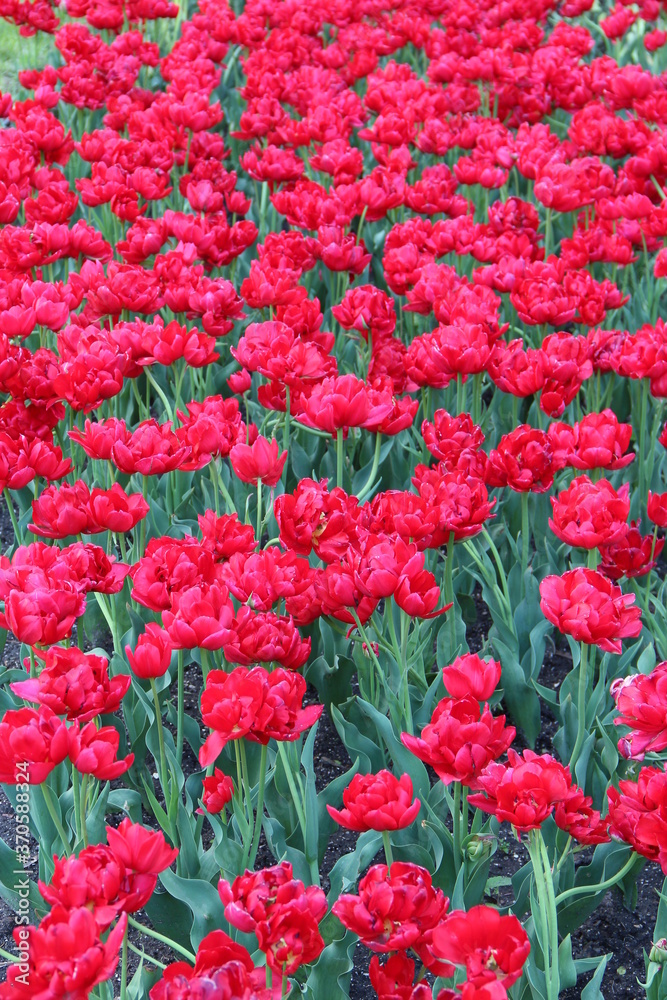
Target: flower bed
{"points": [[332, 370]]}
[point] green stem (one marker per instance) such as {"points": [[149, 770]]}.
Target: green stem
{"points": [[477, 398], [85, 783], [449, 591], [579, 890], [239, 777], [219, 486], [371, 651], [456, 826], [10, 507], [160, 737], [340, 454], [547, 234], [650, 572], [123, 967], [174, 945], [287, 419], [405, 623], [259, 815], [296, 797], [374, 468], [389, 857], [12, 959], [525, 539], [246, 778], [147, 958], [543, 904], [581, 706], [76, 792], [499, 566], [552, 915], [464, 813], [642, 434], [159, 391], [259, 511], [459, 394], [55, 816], [180, 707]]}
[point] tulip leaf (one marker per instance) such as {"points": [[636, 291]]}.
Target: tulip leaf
{"points": [[330, 976], [369, 753], [591, 990], [203, 900], [404, 761], [345, 872]]}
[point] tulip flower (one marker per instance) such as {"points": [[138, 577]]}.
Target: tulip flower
{"points": [[377, 802]]}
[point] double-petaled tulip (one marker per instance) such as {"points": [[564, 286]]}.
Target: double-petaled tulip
{"points": [[217, 792], [95, 751], [225, 535], [74, 684], [641, 701], [256, 704], [43, 617], [586, 605], [393, 979], [377, 802], [261, 461], [36, 738], [587, 514], [460, 740], [344, 401], [92, 879], [523, 461], [470, 676], [638, 814], [632, 555], [66, 956], [396, 908], [524, 791], [575, 815], [448, 438], [265, 637], [221, 967], [152, 654], [200, 617], [490, 946], [281, 911], [144, 853], [72, 510], [600, 441], [657, 508]]}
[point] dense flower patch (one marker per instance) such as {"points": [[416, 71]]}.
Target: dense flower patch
{"points": [[324, 326]]}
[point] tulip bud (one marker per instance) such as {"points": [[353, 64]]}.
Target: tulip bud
{"points": [[479, 848], [658, 953]]}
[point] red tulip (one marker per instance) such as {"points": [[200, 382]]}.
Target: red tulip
{"points": [[259, 462], [584, 604], [377, 802]]}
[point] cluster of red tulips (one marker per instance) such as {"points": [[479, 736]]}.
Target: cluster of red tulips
{"points": [[325, 327]]}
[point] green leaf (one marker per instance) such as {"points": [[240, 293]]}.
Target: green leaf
{"points": [[203, 901], [345, 872], [331, 795], [566, 966], [360, 746], [404, 761], [330, 976], [12, 877], [592, 990]]}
